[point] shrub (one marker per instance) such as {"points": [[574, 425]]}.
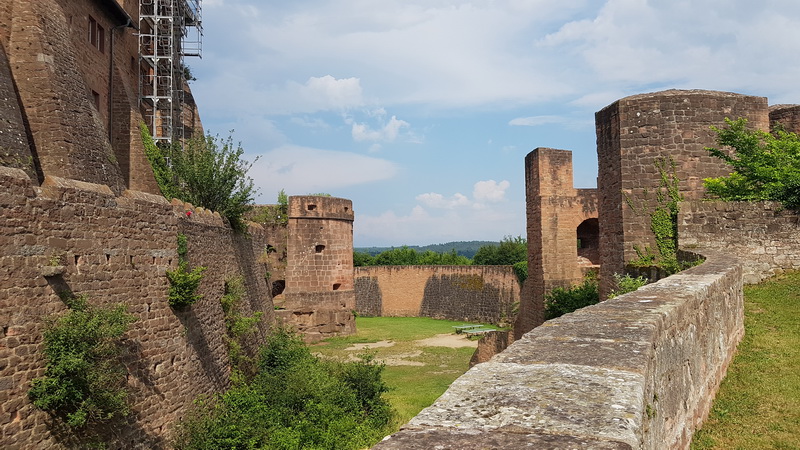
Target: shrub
{"points": [[561, 301], [626, 283], [85, 380], [183, 283], [509, 252], [521, 271], [207, 171], [765, 166], [238, 327], [295, 401]]}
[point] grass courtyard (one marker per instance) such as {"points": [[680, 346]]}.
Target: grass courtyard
{"points": [[422, 356]]}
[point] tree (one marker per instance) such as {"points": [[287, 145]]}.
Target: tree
{"points": [[208, 171], [765, 166], [509, 252], [402, 256]]}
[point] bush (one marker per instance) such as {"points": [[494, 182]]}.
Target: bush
{"points": [[183, 284], [85, 380], [765, 166], [626, 283], [207, 171], [561, 301], [295, 400], [521, 271]]}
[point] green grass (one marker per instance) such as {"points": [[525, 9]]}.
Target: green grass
{"points": [[758, 404], [413, 387]]}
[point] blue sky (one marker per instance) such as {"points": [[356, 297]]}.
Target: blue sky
{"points": [[422, 111]]}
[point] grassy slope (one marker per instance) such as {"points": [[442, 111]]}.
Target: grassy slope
{"points": [[413, 387], [758, 405]]}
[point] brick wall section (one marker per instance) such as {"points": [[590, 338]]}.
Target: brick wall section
{"points": [[115, 249], [319, 297], [786, 115], [635, 372], [66, 127], [764, 235], [555, 209], [15, 149], [632, 134], [468, 293]]}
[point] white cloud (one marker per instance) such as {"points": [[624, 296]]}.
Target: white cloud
{"points": [[387, 133], [435, 200], [490, 191], [301, 170]]}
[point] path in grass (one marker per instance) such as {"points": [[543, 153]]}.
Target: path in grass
{"points": [[423, 356], [758, 404]]}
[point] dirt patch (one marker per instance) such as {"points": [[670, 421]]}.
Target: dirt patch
{"points": [[447, 340], [367, 345]]}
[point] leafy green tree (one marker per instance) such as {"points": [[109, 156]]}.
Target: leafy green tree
{"points": [[402, 256], [362, 259], [208, 171], [509, 252], [765, 166]]}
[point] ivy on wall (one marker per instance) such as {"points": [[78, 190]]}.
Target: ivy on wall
{"points": [[183, 283]]}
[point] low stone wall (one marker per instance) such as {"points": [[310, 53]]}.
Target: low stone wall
{"points": [[73, 236], [637, 371], [469, 293], [764, 235]]}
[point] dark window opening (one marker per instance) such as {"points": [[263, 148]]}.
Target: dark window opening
{"points": [[97, 35], [346, 209], [312, 207], [96, 100], [277, 287], [336, 286], [588, 234], [319, 248]]}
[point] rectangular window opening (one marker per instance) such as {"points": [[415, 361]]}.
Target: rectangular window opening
{"points": [[312, 207]]}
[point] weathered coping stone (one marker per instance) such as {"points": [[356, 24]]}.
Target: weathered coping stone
{"points": [[637, 371]]}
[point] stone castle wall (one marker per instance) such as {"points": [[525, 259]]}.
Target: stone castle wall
{"points": [[632, 135], [467, 293], [79, 237], [763, 235], [638, 371]]}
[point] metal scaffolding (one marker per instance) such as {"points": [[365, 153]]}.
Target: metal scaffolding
{"points": [[169, 30]]}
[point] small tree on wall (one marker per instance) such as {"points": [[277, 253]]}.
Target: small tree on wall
{"points": [[207, 171], [765, 166]]}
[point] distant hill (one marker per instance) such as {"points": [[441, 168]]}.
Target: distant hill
{"points": [[464, 248]]}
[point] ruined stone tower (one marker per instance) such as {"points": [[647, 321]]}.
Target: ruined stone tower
{"points": [[319, 298]]}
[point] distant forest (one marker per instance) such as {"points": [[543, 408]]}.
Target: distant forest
{"points": [[463, 248]]}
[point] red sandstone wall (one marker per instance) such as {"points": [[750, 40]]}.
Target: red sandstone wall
{"points": [[116, 249], [763, 235], [632, 134], [555, 210], [786, 115], [469, 293]]}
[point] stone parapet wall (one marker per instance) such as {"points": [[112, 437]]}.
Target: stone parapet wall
{"points": [[79, 237], [469, 293], [637, 372], [764, 235]]}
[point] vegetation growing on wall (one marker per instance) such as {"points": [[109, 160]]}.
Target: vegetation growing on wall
{"points": [[207, 171], [238, 327], [183, 283], [295, 400], [765, 166], [85, 381], [277, 214], [560, 301], [663, 220], [626, 283]]}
